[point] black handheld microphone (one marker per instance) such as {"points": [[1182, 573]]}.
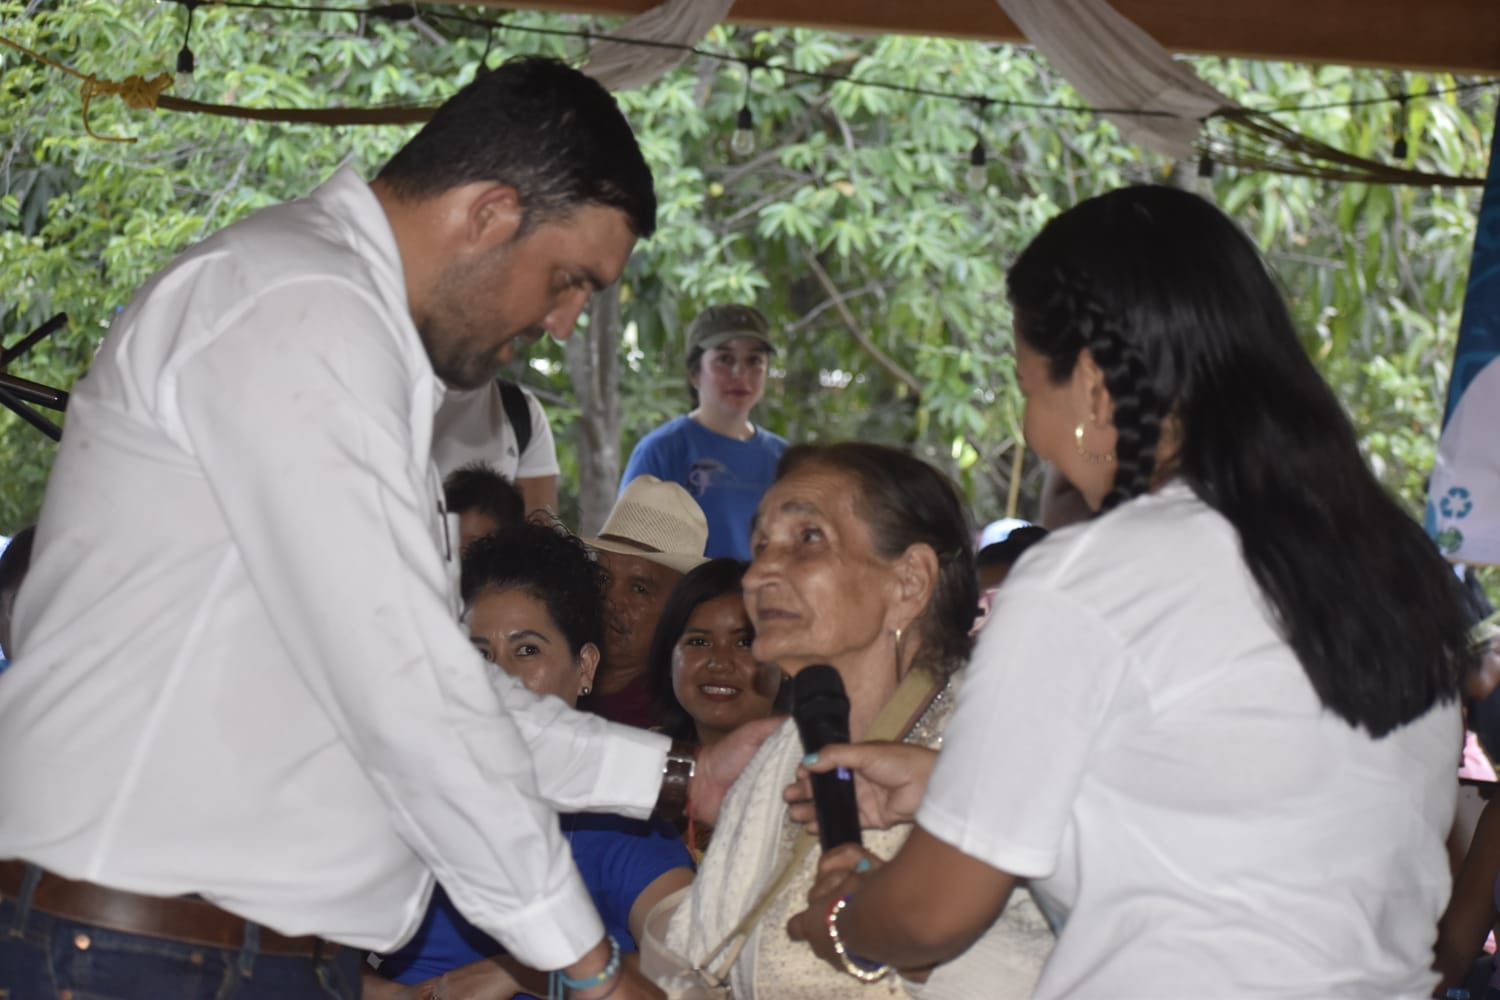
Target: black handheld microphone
{"points": [[821, 709]]}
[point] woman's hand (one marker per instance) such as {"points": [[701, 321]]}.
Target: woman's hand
{"points": [[482, 980], [890, 781], [840, 873], [846, 864]]}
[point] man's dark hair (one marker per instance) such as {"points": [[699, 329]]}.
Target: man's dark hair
{"points": [[547, 130], [481, 487]]}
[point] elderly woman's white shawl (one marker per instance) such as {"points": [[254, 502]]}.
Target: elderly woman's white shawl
{"points": [[749, 848]]}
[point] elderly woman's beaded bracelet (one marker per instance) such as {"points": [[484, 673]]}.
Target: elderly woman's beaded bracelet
{"points": [[861, 969]]}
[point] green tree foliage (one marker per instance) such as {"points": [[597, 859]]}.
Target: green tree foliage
{"points": [[850, 224]]}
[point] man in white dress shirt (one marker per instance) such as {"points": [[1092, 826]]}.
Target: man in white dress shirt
{"points": [[243, 727]]}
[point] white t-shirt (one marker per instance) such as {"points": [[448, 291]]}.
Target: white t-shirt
{"points": [[1136, 737], [471, 426]]}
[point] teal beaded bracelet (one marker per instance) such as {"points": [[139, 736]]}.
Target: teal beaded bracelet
{"points": [[604, 975]]}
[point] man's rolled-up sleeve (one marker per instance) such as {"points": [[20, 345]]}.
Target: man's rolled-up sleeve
{"points": [[299, 410]]}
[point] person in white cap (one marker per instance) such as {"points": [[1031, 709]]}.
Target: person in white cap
{"points": [[654, 534]]}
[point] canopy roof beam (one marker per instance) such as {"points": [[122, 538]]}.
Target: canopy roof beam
{"points": [[1460, 36]]}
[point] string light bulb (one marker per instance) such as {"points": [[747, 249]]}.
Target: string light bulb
{"points": [[977, 177], [978, 174], [742, 142], [1400, 149], [186, 75]]}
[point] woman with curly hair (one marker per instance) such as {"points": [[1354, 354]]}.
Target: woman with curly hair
{"points": [[534, 597]]}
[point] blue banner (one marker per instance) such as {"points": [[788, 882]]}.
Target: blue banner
{"points": [[1463, 499]]}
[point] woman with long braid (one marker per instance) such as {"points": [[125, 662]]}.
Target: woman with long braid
{"points": [[1216, 724]]}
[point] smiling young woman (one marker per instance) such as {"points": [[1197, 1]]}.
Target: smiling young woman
{"points": [[702, 670]]}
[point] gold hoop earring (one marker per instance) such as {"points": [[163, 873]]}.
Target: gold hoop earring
{"points": [[1089, 456]]}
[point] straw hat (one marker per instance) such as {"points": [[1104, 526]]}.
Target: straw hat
{"points": [[658, 521]]}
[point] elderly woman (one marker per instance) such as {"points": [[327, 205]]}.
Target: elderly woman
{"points": [[534, 598], [1217, 722], [862, 560]]}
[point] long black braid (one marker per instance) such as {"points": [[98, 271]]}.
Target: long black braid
{"points": [[1074, 312]]}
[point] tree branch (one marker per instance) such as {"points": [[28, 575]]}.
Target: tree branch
{"points": [[862, 338], [828, 304]]}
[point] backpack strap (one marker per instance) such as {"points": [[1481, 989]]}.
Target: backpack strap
{"points": [[517, 411]]}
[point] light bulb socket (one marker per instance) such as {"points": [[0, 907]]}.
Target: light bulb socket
{"points": [[977, 155], [185, 66], [1205, 166], [1400, 150], [744, 121]]}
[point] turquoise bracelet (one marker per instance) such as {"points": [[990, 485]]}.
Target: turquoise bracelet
{"points": [[604, 975]]}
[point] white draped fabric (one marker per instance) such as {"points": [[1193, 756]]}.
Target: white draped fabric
{"points": [[1112, 63], [624, 66]]}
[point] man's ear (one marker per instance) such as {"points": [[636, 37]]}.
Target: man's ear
{"points": [[493, 217]]}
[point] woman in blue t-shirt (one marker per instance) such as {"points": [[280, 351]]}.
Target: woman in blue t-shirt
{"points": [[534, 599], [715, 452]]}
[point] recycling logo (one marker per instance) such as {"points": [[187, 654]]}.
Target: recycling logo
{"points": [[1456, 503]]}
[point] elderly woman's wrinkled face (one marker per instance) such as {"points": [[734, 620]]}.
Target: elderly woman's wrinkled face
{"points": [[817, 591]]}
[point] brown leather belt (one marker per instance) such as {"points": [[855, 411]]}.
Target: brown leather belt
{"points": [[175, 918]]}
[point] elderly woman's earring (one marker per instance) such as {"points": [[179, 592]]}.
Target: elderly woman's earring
{"points": [[583, 692], [1084, 453]]}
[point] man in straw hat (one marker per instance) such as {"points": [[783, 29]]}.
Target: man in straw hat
{"points": [[655, 533]]}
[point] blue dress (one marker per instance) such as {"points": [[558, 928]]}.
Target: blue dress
{"points": [[617, 857]]}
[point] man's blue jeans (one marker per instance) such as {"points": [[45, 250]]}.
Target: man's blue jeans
{"points": [[43, 957]]}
